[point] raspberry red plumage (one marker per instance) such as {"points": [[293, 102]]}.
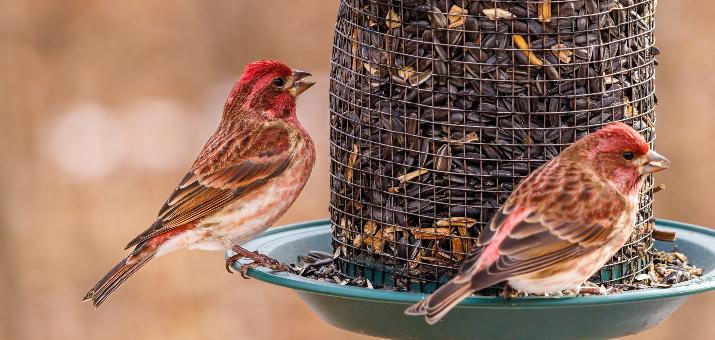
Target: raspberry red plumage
{"points": [[561, 223], [248, 173]]}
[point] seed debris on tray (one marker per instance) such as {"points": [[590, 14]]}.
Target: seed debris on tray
{"points": [[667, 269]]}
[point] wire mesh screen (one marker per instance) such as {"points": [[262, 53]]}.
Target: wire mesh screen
{"points": [[439, 109]]}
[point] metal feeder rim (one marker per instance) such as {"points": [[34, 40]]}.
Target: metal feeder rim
{"points": [[278, 235]]}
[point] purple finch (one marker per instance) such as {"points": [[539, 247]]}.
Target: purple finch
{"points": [[247, 175], [561, 224]]}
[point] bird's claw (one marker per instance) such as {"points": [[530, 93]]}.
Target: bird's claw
{"points": [[258, 260], [231, 260], [244, 269], [508, 292]]}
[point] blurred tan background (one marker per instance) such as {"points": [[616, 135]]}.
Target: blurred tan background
{"points": [[104, 105]]}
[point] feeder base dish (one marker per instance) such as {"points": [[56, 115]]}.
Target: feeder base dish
{"points": [[379, 312]]}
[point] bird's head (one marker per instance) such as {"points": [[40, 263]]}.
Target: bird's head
{"points": [[622, 156], [267, 89]]}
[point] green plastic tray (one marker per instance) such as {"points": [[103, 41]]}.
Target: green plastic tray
{"points": [[379, 312]]}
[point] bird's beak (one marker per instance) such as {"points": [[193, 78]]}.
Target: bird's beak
{"points": [[299, 86], [654, 163]]}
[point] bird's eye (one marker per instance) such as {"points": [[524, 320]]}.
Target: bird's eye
{"points": [[628, 155], [279, 82]]}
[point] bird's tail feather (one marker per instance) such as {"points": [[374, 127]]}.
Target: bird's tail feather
{"points": [[120, 273], [437, 305]]}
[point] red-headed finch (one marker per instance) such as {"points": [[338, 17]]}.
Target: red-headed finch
{"points": [[561, 223], [247, 175]]}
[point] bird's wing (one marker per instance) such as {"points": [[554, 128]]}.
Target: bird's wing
{"points": [[545, 224], [224, 172]]}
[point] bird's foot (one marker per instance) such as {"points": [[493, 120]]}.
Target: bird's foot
{"points": [[231, 260], [244, 269], [259, 260], [508, 292]]}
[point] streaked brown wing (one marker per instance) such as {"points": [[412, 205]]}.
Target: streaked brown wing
{"points": [[541, 250], [227, 173]]}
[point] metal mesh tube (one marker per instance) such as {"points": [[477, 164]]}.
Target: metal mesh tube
{"points": [[439, 109]]}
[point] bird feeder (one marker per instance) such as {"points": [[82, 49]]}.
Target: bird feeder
{"points": [[439, 108]]}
